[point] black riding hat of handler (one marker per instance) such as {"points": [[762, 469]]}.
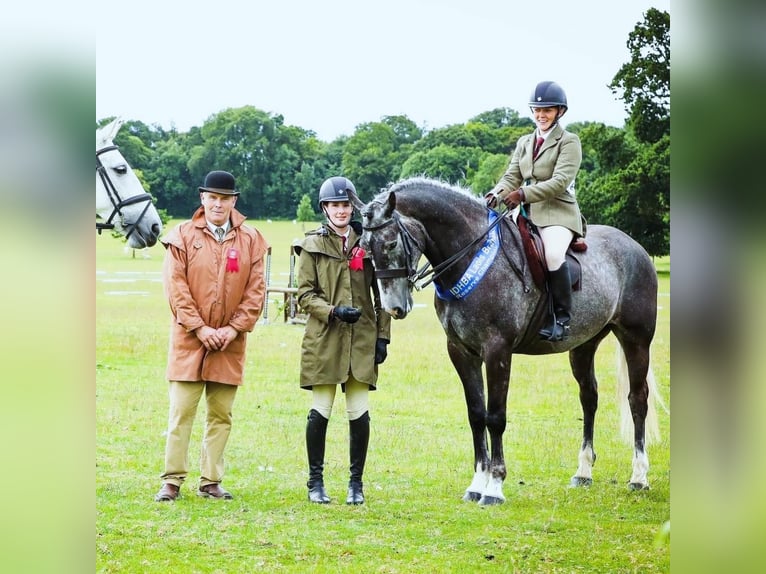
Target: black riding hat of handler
{"points": [[335, 189], [221, 182]]}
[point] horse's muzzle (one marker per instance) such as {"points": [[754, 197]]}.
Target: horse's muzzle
{"points": [[397, 312]]}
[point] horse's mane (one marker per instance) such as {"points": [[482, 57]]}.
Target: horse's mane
{"points": [[416, 185]]}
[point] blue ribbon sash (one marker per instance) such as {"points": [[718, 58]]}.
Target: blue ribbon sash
{"points": [[478, 267]]}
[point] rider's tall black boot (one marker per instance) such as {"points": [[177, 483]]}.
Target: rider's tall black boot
{"points": [[359, 438], [316, 432], [561, 291]]}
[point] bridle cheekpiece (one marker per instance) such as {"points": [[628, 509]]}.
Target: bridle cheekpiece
{"points": [[117, 202]]}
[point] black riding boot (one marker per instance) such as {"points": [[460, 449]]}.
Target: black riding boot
{"points": [[316, 431], [561, 291], [359, 438]]}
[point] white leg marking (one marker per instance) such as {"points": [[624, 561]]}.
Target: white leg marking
{"points": [[586, 458], [494, 489], [640, 469], [478, 484]]}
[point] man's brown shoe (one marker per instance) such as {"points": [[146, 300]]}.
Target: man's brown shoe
{"points": [[167, 493], [214, 491]]}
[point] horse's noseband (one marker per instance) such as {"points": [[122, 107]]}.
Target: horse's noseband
{"points": [[117, 202]]}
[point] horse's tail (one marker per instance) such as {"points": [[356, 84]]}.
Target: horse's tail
{"points": [[652, 428]]}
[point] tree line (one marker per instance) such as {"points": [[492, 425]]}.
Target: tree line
{"points": [[624, 179]]}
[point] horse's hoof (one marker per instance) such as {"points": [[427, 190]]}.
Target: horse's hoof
{"points": [[580, 481], [490, 500], [637, 486], [471, 496]]}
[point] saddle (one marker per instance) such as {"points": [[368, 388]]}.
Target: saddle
{"points": [[535, 252]]}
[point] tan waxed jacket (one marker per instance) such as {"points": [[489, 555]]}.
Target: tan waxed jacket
{"points": [[331, 348], [548, 181], [201, 291]]}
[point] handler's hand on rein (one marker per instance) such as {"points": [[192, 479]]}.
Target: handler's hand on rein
{"points": [[347, 314], [491, 199], [381, 350]]}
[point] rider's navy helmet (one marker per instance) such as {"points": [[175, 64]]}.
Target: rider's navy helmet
{"points": [[548, 95]]}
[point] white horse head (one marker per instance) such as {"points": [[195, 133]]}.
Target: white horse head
{"points": [[121, 202]]}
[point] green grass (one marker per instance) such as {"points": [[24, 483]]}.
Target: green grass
{"points": [[418, 466]]}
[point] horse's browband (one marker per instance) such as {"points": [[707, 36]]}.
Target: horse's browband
{"points": [[380, 226], [106, 149]]}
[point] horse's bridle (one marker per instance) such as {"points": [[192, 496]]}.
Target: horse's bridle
{"points": [[413, 275], [117, 202]]}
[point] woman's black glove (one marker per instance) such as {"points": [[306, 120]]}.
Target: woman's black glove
{"points": [[381, 350], [347, 314]]}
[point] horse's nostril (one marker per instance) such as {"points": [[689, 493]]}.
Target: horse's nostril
{"points": [[156, 229], [398, 313]]}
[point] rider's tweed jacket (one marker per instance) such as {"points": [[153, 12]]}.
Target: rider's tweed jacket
{"points": [[548, 181], [202, 292], [332, 349]]}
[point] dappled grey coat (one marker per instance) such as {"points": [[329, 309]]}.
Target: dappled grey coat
{"points": [[331, 348], [548, 181]]}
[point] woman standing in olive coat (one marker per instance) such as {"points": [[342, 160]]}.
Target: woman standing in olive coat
{"points": [[346, 334]]}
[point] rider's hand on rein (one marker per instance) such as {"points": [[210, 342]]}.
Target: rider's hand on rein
{"points": [[516, 197]]}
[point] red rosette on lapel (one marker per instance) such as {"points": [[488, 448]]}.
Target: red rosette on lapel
{"points": [[356, 262], [232, 260]]}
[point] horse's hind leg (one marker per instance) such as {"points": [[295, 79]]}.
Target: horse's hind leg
{"points": [[581, 361], [636, 356]]}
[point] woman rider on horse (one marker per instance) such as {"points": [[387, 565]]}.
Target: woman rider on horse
{"points": [[541, 177]]}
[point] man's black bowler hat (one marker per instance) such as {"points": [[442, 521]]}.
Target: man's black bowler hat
{"points": [[219, 182]]}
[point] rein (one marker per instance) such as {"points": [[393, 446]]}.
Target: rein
{"points": [[117, 202], [425, 272]]}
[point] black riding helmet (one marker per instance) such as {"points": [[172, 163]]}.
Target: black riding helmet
{"points": [[335, 189], [547, 95]]}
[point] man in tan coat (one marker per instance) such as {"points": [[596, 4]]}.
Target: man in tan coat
{"points": [[215, 285]]}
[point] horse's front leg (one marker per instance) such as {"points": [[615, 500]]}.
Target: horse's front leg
{"points": [[468, 368], [498, 366]]}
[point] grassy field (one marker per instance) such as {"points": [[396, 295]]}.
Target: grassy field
{"points": [[419, 464]]}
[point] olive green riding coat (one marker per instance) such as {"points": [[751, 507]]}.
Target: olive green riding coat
{"points": [[331, 349]]}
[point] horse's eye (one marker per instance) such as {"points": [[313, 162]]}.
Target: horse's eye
{"points": [[122, 169], [389, 245]]}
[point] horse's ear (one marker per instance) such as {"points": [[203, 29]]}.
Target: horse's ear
{"points": [[391, 203], [355, 201], [117, 124], [109, 131]]}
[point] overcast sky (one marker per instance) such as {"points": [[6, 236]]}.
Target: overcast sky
{"points": [[329, 65]]}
